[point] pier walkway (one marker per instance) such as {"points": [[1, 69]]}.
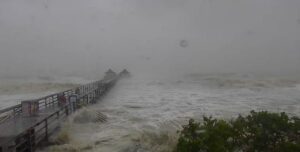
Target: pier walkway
{"points": [[25, 126]]}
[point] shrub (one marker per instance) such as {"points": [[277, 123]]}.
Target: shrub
{"points": [[259, 131]]}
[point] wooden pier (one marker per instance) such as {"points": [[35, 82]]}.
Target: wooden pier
{"points": [[25, 126]]}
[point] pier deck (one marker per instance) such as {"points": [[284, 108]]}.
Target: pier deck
{"points": [[20, 132]]}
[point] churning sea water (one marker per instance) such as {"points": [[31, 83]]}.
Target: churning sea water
{"points": [[144, 115]]}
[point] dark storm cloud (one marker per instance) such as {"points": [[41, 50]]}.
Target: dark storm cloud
{"points": [[76, 37]]}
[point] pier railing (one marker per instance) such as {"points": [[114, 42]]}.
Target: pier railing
{"points": [[84, 92], [31, 137], [43, 102]]}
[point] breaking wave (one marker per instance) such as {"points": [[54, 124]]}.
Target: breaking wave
{"points": [[34, 87], [243, 81], [89, 116], [13, 91], [108, 136], [144, 116]]}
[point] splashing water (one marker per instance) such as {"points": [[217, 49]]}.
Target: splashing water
{"points": [[143, 116]]}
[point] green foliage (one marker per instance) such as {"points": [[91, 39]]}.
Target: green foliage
{"points": [[257, 132]]}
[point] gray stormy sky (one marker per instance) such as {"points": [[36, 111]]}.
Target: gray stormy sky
{"points": [[72, 37]]}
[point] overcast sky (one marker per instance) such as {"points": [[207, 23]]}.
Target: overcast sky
{"points": [[73, 37]]}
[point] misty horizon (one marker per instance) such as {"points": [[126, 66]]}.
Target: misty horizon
{"points": [[167, 37]]}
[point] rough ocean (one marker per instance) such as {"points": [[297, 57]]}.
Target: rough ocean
{"points": [[143, 115], [13, 91]]}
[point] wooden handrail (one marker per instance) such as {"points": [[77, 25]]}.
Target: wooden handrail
{"points": [[41, 131]]}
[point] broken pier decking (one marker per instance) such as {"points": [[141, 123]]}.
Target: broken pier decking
{"points": [[20, 132]]}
